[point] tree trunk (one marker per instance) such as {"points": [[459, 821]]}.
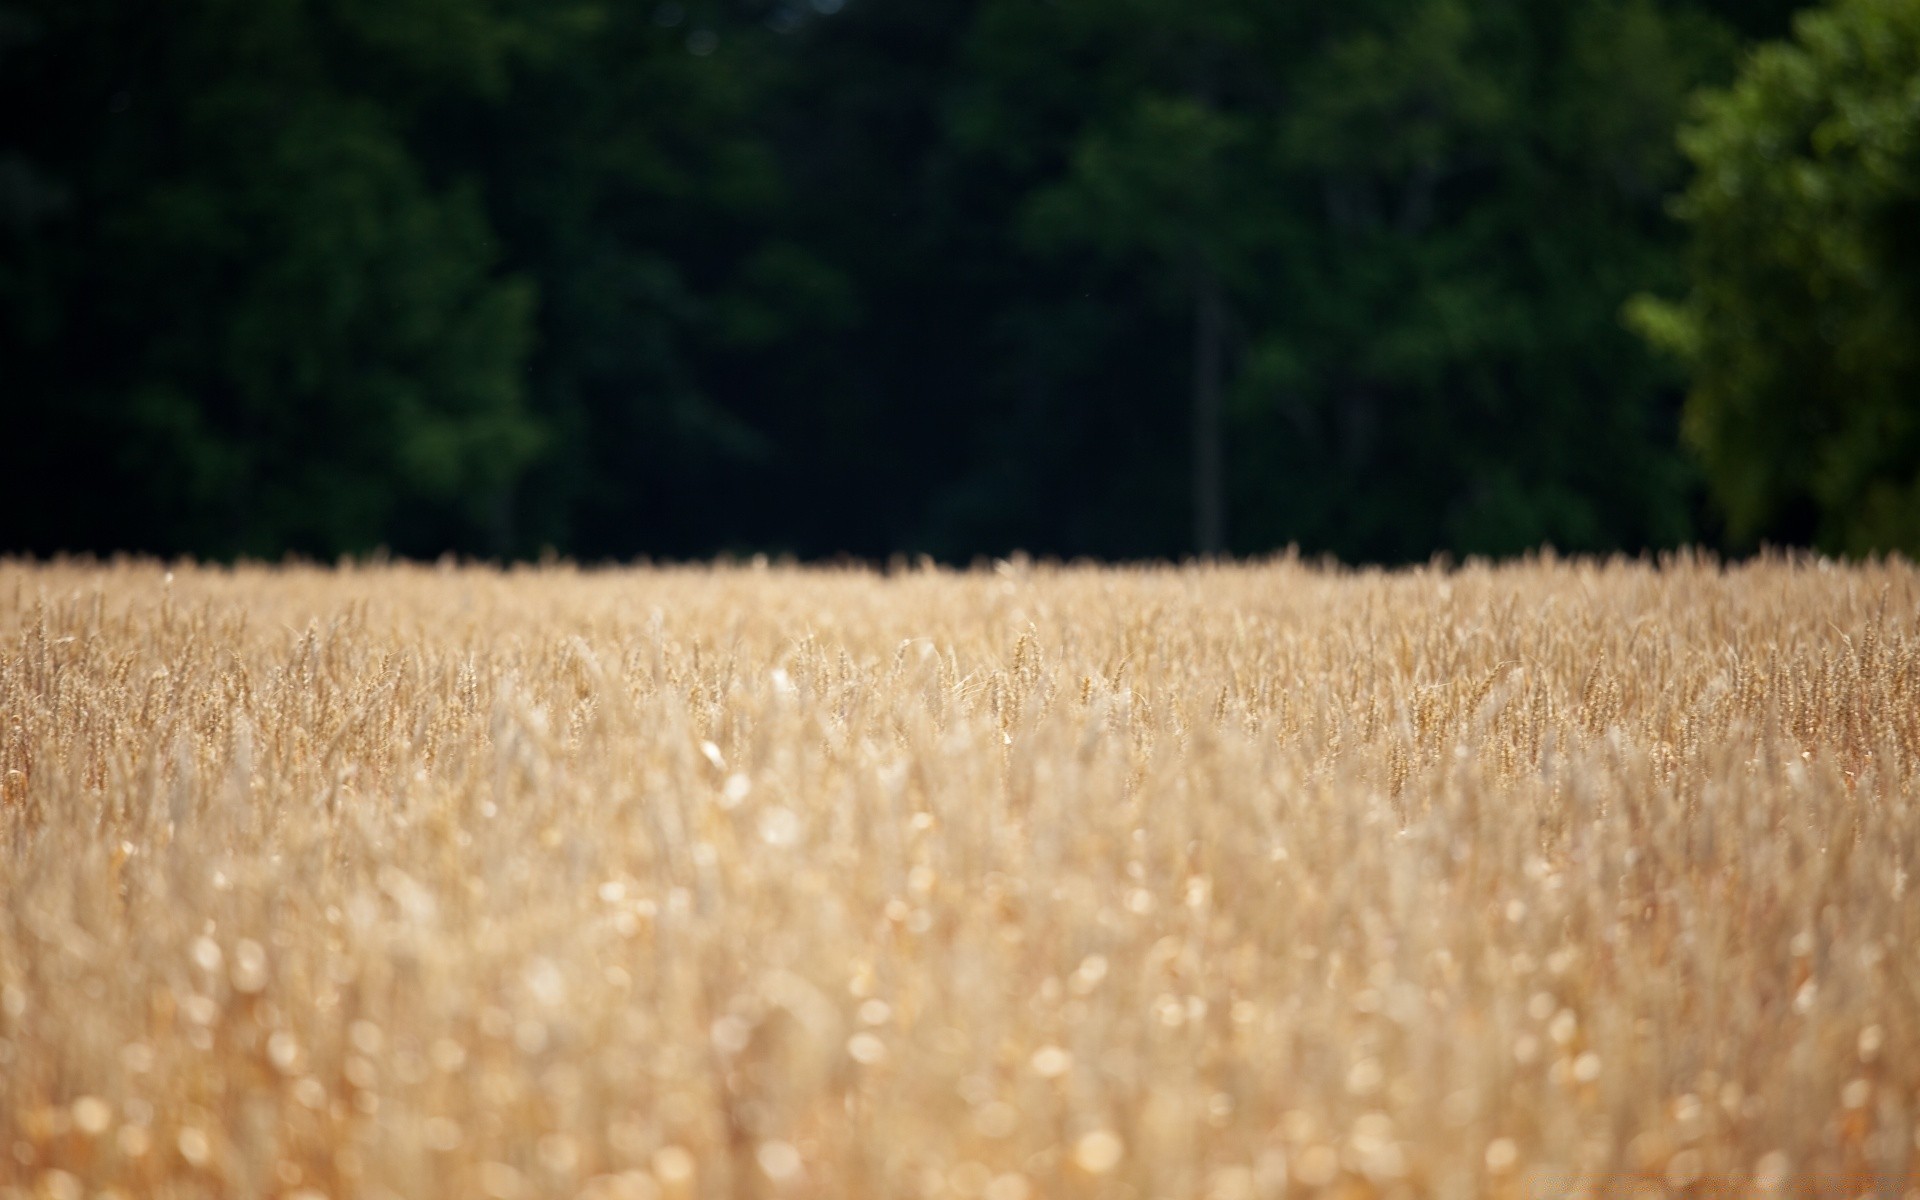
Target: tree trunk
{"points": [[1209, 457]]}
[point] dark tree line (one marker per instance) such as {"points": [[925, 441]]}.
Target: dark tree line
{"points": [[1114, 277]]}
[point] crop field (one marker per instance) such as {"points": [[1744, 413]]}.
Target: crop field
{"points": [[1211, 883]]}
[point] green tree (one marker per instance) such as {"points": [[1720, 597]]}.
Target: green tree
{"points": [[631, 176], [253, 313], [1159, 182], [1491, 177], [1087, 276], [1172, 175], [1801, 327], [1412, 224]]}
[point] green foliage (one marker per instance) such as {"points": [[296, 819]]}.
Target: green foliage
{"points": [[632, 177], [681, 276], [1801, 327], [1157, 181], [1426, 215], [282, 333]]}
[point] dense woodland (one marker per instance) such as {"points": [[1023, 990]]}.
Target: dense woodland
{"points": [[1109, 277]]}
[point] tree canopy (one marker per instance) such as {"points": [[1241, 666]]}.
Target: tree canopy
{"points": [[1113, 277], [1801, 325]]}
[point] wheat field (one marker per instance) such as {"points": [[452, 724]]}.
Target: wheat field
{"points": [[1219, 882]]}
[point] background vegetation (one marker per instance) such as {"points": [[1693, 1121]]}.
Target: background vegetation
{"points": [[1119, 277]]}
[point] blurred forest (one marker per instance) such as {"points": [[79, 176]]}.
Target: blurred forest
{"points": [[1108, 277]]}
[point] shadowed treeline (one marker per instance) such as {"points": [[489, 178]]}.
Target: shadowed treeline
{"points": [[1122, 278]]}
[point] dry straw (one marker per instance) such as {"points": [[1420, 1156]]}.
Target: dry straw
{"points": [[731, 882]]}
